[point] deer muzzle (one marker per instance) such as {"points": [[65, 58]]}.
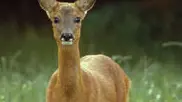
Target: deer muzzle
{"points": [[67, 38]]}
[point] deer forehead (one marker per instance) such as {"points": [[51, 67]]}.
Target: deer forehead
{"points": [[67, 9]]}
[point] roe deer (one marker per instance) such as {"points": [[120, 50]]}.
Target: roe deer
{"points": [[93, 78]]}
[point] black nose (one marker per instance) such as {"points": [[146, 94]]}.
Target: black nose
{"points": [[66, 36]]}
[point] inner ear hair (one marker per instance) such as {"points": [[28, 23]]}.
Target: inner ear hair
{"points": [[48, 5], [85, 5]]}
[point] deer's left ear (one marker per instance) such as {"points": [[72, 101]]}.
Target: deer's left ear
{"points": [[47, 5], [85, 5]]}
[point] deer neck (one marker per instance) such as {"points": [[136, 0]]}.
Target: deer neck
{"points": [[69, 68]]}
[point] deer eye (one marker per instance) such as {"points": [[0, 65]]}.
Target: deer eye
{"points": [[56, 20], [77, 20]]}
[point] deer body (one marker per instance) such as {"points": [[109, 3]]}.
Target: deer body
{"points": [[93, 78]]}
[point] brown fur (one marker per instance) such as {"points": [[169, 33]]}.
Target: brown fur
{"points": [[93, 78]]}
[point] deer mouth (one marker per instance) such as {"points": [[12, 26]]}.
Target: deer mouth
{"points": [[67, 39], [70, 42]]}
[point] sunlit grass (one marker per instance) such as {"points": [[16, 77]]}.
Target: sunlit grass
{"points": [[19, 89], [156, 84], [151, 82]]}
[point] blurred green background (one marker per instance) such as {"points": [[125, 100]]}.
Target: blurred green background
{"points": [[143, 36]]}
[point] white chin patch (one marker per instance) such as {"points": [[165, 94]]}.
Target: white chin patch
{"points": [[67, 43], [70, 42]]}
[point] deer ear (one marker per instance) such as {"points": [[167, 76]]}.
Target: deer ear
{"points": [[47, 5], [85, 5]]}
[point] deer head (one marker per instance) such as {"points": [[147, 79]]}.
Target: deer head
{"points": [[66, 18]]}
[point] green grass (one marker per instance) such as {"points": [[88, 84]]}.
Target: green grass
{"points": [[151, 81]]}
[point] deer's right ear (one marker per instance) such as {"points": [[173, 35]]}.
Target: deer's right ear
{"points": [[47, 5]]}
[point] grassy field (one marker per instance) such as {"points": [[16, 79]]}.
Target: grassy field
{"points": [[151, 81]]}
